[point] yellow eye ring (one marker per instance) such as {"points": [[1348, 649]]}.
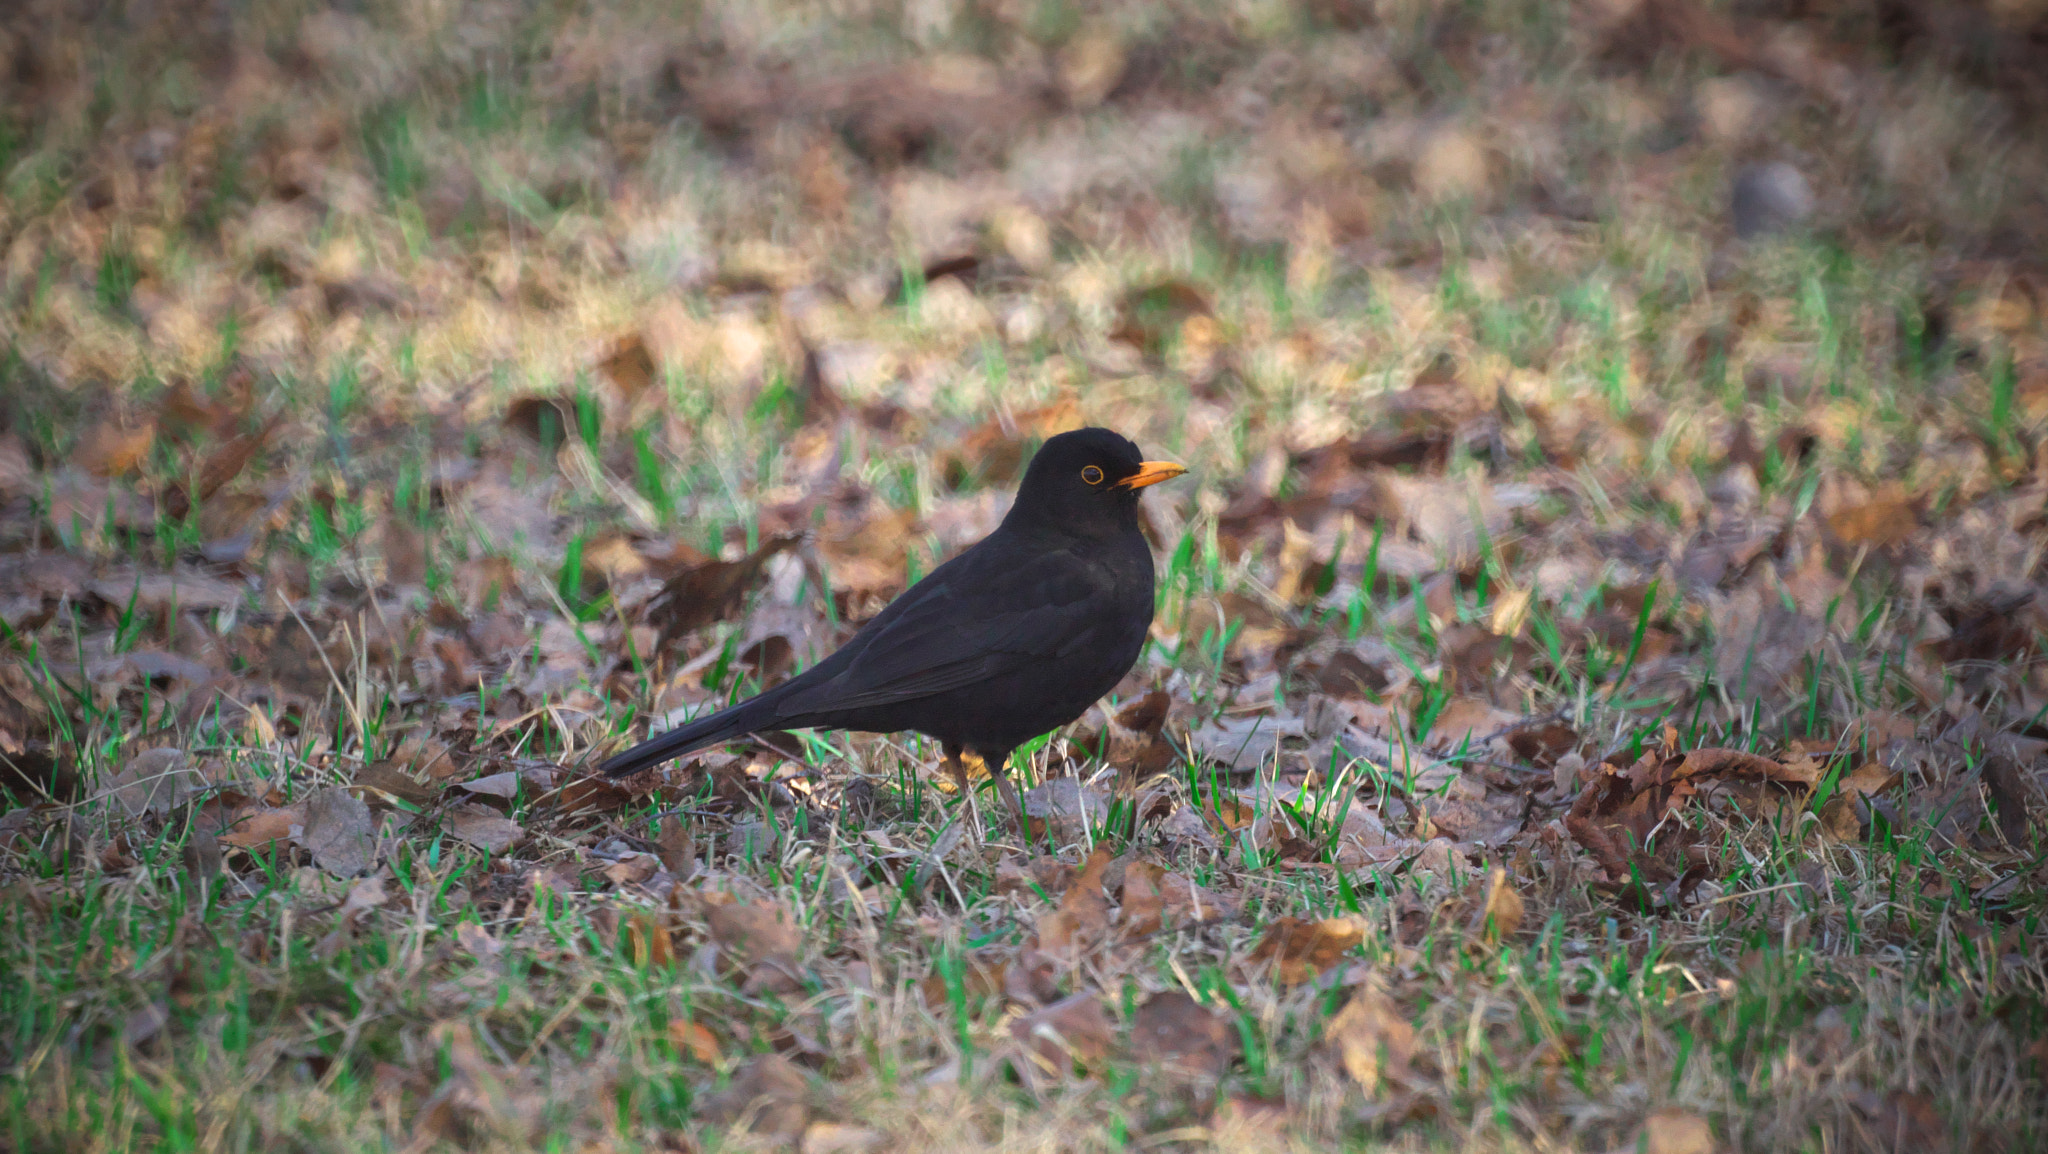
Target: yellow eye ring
{"points": [[1092, 475]]}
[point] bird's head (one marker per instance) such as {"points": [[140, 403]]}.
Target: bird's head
{"points": [[1086, 482]]}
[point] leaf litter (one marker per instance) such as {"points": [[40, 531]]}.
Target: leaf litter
{"points": [[1536, 636]]}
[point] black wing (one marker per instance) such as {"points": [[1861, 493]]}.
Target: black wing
{"points": [[985, 615]]}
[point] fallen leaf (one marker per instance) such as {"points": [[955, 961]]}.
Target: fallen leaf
{"points": [[1187, 903], [1502, 914], [693, 1039], [180, 589], [629, 366], [1089, 66], [483, 827], [501, 785], [1151, 315], [1072, 1031], [1298, 950], [840, 1138], [1083, 915], [768, 1097], [389, 779], [649, 941], [711, 591], [2008, 789], [1185, 1038], [153, 781], [994, 453], [262, 827], [109, 450], [337, 832], [1881, 523], [1144, 905], [678, 848], [759, 939], [1675, 1131], [1373, 1041]]}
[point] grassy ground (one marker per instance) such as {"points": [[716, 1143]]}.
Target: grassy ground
{"points": [[1593, 702]]}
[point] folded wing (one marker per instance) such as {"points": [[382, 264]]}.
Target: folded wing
{"points": [[966, 626]]}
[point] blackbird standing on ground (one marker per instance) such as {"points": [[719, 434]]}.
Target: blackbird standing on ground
{"points": [[1016, 636]]}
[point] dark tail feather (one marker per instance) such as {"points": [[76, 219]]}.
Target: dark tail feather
{"points": [[731, 722]]}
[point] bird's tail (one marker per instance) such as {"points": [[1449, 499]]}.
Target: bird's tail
{"points": [[730, 722]]}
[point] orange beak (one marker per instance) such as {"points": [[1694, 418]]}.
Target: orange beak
{"points": [[1151, 473]]}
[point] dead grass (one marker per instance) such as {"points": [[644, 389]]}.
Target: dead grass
{"points": [[1594, 704]]}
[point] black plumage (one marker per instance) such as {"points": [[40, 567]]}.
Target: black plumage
{"points": [[1016, 636]]}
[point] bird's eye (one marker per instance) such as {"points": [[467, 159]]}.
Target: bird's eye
{"points": [[1092, 475]]}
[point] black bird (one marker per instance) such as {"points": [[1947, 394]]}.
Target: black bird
{"points": [[1016, 636]]}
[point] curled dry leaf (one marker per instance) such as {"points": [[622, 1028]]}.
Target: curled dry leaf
{"points": [[1616, 816], [649, 940], [1298, 950], [1501, 916]]}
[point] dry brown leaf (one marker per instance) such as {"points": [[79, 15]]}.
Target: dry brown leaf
{"points": [[693, 1039], [1187, 903], [337, 832], [980, 978], [1144, 905], [1502, 914], [483, 827], [1298, 950], [390, 779], [711, 591], [262, 827], [768, 1097], [1672, 1130], [231, 457], [1469, 721], [1072, 1031], [678, 848], [994, 453], [649, 940], [1083, 916], [1151, 315], [840, 1138], [153, 781], [1090, 65], [1880, 523], [629, 366], [760, 939], [1373, 1041], [109, 450], [1188, 1039]]}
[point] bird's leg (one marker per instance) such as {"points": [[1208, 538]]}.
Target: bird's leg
{"points": [[956, 765], [999, 769]]}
